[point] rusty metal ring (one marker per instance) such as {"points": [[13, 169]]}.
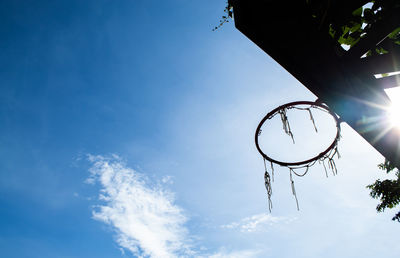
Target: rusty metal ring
{"points": [[292, 105]]}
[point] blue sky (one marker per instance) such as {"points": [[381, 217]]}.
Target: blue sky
{"points": [[127, 130]]}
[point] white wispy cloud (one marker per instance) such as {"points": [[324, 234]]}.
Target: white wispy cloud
{"points": [[144, 217], [258, 222], [235, 254]]}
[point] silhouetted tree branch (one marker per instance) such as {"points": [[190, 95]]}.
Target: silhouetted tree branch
{"points": [[387, 191]]}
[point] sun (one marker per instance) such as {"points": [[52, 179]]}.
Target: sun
{"points": [[395, 115], [394, 110]]}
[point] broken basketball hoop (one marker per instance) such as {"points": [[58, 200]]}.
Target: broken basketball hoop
{"points": [[299, 168]]}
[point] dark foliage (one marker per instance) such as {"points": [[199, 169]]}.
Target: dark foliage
{"points": [[350, 27], [345, 28], [225, 18], [387, 191]]}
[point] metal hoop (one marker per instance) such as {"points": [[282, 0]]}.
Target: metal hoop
{"points": [[293, 104]]}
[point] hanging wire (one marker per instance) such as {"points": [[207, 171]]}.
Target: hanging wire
{"points": [[285, 123], [300, 174], [312, 119], [267, 182], [293, 189], [326, 172], [337, 152], [272, 170], [332, 166]]}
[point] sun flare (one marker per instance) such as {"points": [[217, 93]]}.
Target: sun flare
{"points": [[394, 110], [395, 115]]}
